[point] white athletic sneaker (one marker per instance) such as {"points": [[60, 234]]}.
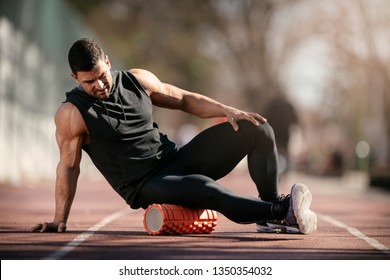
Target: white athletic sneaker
{"points": [[299, 218], [299, 213]]}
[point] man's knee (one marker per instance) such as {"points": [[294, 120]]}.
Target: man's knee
{"points": [[263, 132], [268, 131]]}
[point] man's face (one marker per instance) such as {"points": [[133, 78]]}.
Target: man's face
{"points": [[98, 81]]}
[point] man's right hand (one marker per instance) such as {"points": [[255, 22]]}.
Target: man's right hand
{"points": [[49, 227]]}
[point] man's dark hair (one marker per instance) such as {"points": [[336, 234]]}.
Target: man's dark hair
{"points": [[84, 55]]}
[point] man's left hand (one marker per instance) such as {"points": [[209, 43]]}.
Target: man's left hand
{"points": [[234, 115]]}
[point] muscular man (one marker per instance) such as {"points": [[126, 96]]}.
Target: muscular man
{"points": [[109, 116]]}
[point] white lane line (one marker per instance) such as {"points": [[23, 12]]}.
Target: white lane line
{"points": [[70, 246], [354, 231]]}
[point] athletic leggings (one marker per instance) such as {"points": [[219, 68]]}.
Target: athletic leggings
{"points": [[190, 180]]}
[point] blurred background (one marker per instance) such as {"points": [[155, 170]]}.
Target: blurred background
{"points": [[318, 70]]}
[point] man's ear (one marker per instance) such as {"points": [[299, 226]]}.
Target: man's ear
{"points": [[74, 77], [108, 63]]}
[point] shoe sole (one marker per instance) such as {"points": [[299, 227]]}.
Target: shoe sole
{"points": [[276, 228], [267, 229], [301, 199]]}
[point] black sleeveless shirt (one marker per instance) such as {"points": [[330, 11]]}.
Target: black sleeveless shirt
{"points": [[126, 145]]}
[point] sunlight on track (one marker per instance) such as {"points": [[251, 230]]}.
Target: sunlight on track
{"points": [[371, 241], [85, 235]]}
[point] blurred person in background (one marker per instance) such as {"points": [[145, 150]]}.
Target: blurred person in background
{"points": [[109, 116], [283, 117]]}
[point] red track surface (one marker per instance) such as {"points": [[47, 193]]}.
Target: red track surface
{"points": [[353, 223]]}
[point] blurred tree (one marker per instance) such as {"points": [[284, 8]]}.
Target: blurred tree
{"points": [[245, 46], [361, 48], [157, 35], [240, 30], [356, 96], [170, 37]]}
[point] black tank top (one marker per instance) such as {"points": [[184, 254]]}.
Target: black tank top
{"points": [[126, 145]]}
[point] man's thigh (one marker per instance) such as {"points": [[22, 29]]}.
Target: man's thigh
{"points": [[215, 151], [194, 191]]}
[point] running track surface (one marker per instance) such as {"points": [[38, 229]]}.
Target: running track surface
{"points": [[353, 224]]}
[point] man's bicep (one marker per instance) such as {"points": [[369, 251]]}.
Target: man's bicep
{"points": [[160, 93]]}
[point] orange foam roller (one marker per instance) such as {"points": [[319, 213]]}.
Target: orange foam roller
{"points": [[173, 219]]}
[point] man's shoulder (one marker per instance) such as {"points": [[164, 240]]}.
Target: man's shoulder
{"points": [[66, 111], [67, 115], [65, 108]]}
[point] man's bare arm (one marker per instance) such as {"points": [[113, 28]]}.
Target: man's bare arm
{"points": [[169, 96], [70, 135]]}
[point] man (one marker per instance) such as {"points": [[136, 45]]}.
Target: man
{"points": [[109, 116]]}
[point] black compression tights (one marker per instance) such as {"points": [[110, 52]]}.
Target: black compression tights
{"points": [[190, 181]]}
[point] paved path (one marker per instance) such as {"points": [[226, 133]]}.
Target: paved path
{"points": [[354, 224]]}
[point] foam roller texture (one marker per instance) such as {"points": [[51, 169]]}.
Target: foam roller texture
{"points": [[168, 219]]}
